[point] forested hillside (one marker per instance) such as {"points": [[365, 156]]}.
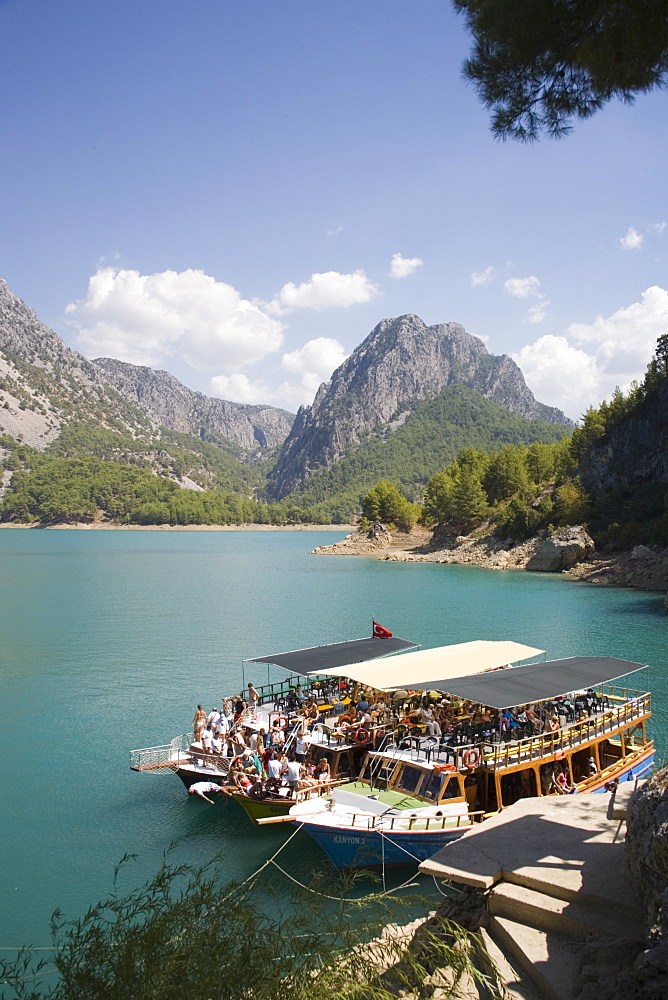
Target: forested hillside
{"points": [[435, 431]]}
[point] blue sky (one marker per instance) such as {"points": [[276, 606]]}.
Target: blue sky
{"points": [[238, 192]]}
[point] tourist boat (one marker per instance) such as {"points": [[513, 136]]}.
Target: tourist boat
{"points": [[343, 752], [426, 791], [407, 794]]}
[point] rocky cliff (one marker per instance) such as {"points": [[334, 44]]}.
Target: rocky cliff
{"points": [[401, 362], [43, 383], [634, 451], [168, 402]]}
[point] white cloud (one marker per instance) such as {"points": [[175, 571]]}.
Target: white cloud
{"points": [[658, 227], [401, 267], [632, 240], [529, 288], [560, 375], [582, 368], [144, 319], [240, 389], [313, 363], [523, 288], [483, 277], [329, 290], [335, 231], [537, 312], [322, 355]]}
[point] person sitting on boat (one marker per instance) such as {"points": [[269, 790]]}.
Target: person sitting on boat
{"points": [[311, 713], [533, 719], [202, 789], [217, 745], [322, 772], [257, 789], [277, 733], [198, 723], [563, 783], [237, 776], [591, 766], [429, 720]]}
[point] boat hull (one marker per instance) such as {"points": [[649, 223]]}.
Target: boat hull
{"points": [[638, 769], [350, 848]]}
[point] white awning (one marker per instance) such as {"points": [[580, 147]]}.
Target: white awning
{"points": [[425, 665]]}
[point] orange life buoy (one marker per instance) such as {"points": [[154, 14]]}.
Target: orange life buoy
{"points": [[470, 758], [281, 719], [559, 754], [362, 735]]}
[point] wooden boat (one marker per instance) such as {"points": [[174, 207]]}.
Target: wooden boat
{"points": [[447, 784]]}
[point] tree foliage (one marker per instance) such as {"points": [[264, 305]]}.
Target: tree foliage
{"points": [[385, 503], [537, 64], [188, 934]]}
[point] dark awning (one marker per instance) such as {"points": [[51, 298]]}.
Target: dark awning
{"points": [[337, 654], [533, 682]]}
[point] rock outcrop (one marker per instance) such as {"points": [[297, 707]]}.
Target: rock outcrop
{"points": [[561, 551], [634, 451], [401, 362], [171, 404]]}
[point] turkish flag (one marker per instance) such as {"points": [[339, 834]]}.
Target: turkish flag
{"points": [[381, 633]]}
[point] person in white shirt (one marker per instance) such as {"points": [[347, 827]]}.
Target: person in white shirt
{"points": [[207, 740], [204, 788], [429, 720], [294, 774]]}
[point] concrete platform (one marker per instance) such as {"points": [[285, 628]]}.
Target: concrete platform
{"points": [[619, 800], [519, 985], [575, 920], [551, 960], [563, 846]]}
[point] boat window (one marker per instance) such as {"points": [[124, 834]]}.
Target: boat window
{"points": [[409, 778], [432, 786], [452, 789]]}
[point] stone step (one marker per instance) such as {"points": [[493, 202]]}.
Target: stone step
{"points": [[518, 985], [550, 960], [575, 919]]}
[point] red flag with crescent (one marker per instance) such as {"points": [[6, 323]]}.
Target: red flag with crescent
{"points": [[381, 633]]}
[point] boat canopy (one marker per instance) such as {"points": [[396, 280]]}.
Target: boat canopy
{"points": [[324, 659], [533, 682], [424, 668]]}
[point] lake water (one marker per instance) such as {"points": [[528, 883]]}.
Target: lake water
{"points": [[108, 640]]}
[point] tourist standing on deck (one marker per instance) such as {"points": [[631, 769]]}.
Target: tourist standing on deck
{"points": [[253, 697], [198, 722]]}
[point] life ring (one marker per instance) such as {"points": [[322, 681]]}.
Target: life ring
{"points": [[362, 735], [559, 754], [471, 758], [281, 719]]}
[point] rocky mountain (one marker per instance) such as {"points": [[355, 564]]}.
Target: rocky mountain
{"points": [[44, 384], [168, 402], [401, 362], [634, 450]]}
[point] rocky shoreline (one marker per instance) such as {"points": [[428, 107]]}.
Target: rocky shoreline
{"points": [[571, 551]]}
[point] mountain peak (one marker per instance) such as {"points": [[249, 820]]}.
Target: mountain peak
{"points": [[400, 363]]}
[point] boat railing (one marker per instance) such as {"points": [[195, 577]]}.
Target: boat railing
{"points": [[497, 756], [280, 689], [403, 823], [152, 758]]}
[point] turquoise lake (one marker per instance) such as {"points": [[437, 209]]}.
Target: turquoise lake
{"points": [[108, 640]]}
